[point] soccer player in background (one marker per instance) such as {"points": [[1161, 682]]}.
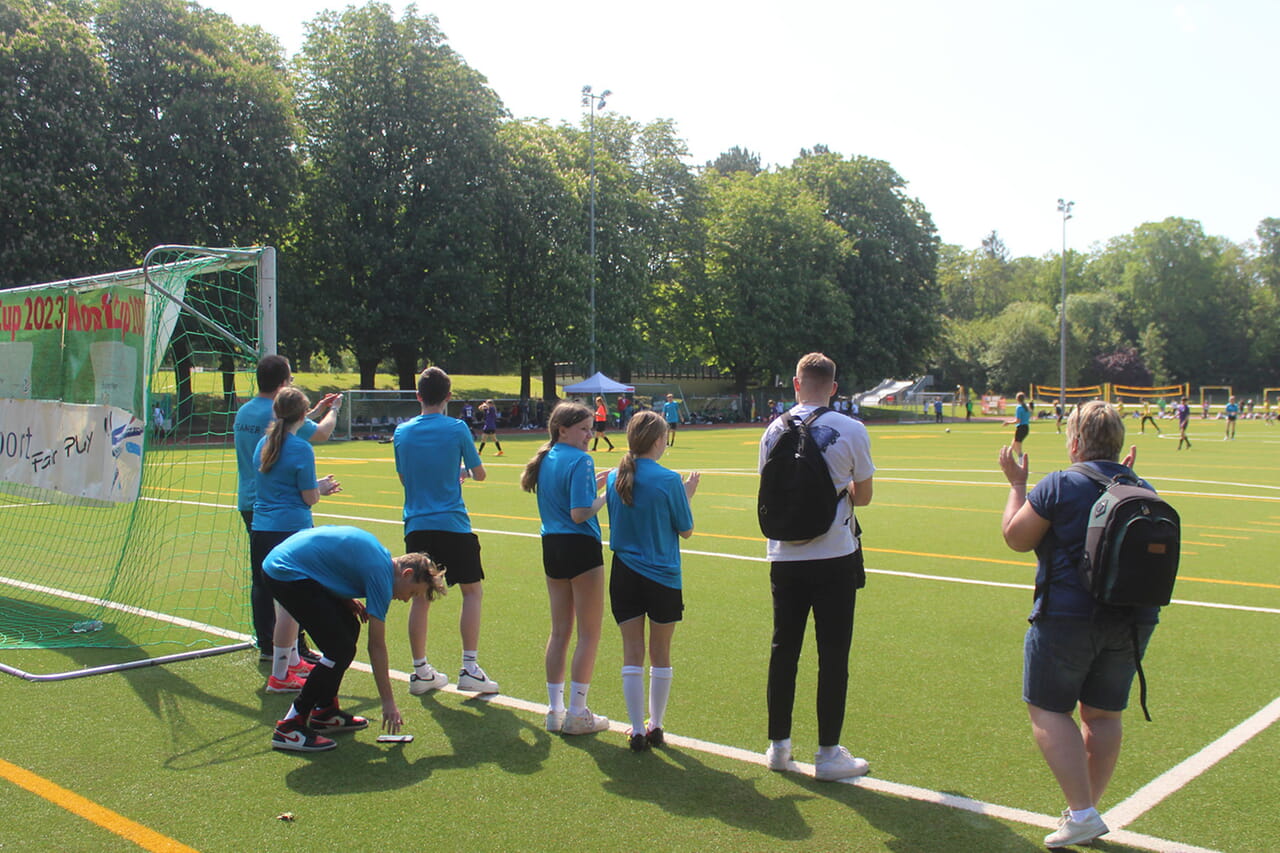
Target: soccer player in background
{"points": [[1146, 416], [434, 454], [1183, 412], [671, 414], [489, 430], [565, 480], [648, 515], [250, 426], [601, 424], [1021, 423], [1232, 411], [319, 575]]}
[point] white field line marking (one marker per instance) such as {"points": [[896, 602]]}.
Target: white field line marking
{"points": [[1149, 795], [893, 788]]}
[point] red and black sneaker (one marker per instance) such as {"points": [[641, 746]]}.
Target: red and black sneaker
{"points": [[293, 736], [334, 719]]}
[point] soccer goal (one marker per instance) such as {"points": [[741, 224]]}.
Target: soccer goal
{"points": [[1048, 395], [117, 473], [1214, 395], [1128, 394]]}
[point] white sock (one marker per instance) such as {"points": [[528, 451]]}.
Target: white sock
{"points": [[1083, 814], [578, 697], [421, 667], [293, 713], [783, 745], [470, 664], [280, 662], [828, 751], [294, 657], [633, 693], [659, 693], [555, 696]]}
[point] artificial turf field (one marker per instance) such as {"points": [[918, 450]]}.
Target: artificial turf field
{"points": [[182, 751]]}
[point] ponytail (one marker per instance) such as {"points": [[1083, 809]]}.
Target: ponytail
{"points": [[290, 407], [644, 430], [563, 415]]}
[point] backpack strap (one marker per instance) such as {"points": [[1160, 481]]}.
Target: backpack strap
{"points": [[814, 415], [1142, 678]]}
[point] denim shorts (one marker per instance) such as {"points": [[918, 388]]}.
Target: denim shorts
{"points": [[1066, 661]]}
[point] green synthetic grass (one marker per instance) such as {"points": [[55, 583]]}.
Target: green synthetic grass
{"points": [[934, 699]]}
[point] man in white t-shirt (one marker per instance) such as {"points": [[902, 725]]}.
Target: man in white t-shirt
{"points": [[821, 574]]}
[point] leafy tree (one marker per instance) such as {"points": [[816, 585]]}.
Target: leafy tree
{"points": [[1268, 258], [769, 291], [889, 274], [206, 114], [64, 173], [736, 159], [1124, 366], [401, 149], [1023, 346]]}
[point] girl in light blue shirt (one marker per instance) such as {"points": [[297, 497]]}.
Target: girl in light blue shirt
{"points": [[648, 514]]}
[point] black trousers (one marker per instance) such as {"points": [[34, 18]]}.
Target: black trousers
{"points": [[334, 630], [829, 588], [261, 603]]}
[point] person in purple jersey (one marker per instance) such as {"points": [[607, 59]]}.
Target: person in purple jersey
{"points": [[490, 429], [1183, 412]]}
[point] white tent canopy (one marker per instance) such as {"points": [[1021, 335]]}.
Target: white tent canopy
{"points": [[598, 384]]}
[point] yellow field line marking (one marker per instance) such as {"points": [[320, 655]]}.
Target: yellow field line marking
{"points": [[1204, 544], [1223, 536], [147, 839]]}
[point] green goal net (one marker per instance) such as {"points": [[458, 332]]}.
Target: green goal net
{"points": [[117, 474]]}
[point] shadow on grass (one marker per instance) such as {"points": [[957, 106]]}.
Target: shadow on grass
{"points": [[676, 781], [477, 733]]}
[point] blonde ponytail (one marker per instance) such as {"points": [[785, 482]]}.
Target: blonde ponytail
{"points": [[290, 407]]}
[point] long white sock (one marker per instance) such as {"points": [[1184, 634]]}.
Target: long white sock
{"points": [[633, 693], [280, 662], [659, 693], [578, 697], [294, 657], [555, 696]]}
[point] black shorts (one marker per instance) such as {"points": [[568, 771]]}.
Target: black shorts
{"points": [[261, 542], [1021, 432], [671, 425], [567, 555], [631, 594], [458, 554], [601, 425]]}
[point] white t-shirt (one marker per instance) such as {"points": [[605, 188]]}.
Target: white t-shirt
{"points": [[846, 447]]}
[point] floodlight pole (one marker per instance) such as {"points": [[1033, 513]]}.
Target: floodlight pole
{"points": [[1064, 207], [595, 102]]}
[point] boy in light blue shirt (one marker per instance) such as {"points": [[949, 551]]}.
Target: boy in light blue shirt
{"points": [[434, 454]]}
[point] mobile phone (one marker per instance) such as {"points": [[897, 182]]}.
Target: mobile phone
{"points": [[395, 738]]}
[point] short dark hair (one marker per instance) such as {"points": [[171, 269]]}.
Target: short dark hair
{"points": [[273, 372], [434, 386]]}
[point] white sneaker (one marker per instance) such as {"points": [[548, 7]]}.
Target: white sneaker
{"points": [[419, 684], [842, 765], [1071, 832], [478, 683], [555, 720], [584, 724], [778, 757]]}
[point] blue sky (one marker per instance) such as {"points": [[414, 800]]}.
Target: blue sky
{"points": [[990, 109]]}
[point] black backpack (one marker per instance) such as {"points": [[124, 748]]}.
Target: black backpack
{"points": [[1132, 545], [797, 500]]}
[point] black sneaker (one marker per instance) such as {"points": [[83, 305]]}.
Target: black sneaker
{"points": [[293, 736], [655, 737], [308, 655], [335, 719], [639, 743]]}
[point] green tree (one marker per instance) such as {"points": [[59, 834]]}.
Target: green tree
{"points": [[889, 275], [206, 113], [736, 159], [769, 289], [63, 175], [1023, 347], [401, 149]]}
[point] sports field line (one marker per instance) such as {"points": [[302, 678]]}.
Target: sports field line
{"points": [[893, 788], [147, 839], [1177, 777]]}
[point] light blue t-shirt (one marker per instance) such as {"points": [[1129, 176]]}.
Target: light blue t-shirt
{"points": [[1232, 410], [646, 535], [279, 505], [671, 412], [348, 561], [251, 424], [430, 451], [1022, 415], [566, 481]]}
